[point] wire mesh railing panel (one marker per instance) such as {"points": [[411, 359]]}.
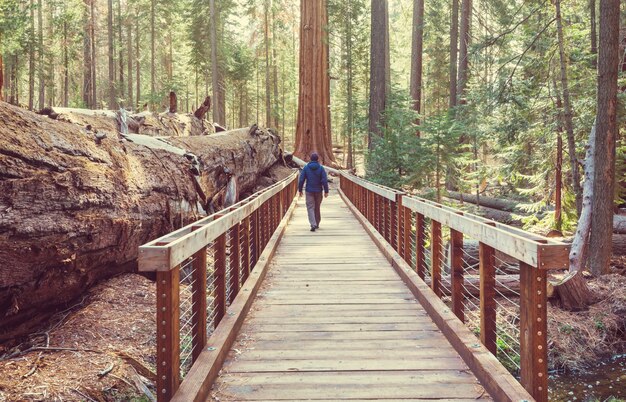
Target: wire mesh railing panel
{"points": [[186, 313], [211, 289]]}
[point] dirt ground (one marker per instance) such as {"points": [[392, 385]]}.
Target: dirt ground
{"points": [[100, 350]]}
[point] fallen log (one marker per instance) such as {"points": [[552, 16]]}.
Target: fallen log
{"points": [[619, 244], [495, 203], [509, 218], [165, 124], [73, 212], [619, 224]]}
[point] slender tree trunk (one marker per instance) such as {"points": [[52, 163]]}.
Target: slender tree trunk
{"points": [[215, 75], [152, 51], [137, 58], [66, 67], [129, 51], [1, 74], [465, 39], [94, 59], [349, 89], [112, 96], [416, 57], [49, 76], [378, 69], [40, 63], [313, 123], [454, 51], [120, 45], [558, 219], [604, 156], [567, 106], [277, 115], [31, 58], [593, 34], [268, 102]]}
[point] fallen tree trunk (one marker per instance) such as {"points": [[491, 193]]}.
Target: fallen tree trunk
{"points": [[73, 211], [619, 224], [165, 124], [619, 244], [509, 218], [495, 203]]}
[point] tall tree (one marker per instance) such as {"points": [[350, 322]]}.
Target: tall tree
{"points": [[31, 57], [313, 125], [129, 51], [120, 47], [112, 95], [606, 133], [379, 68], [40, 55], [266, 33], [94, 59], [454, 51], [152, 50], [416, 55], [465, 37], [568, 114], [593, 35], [87, 59], [215, 69]]}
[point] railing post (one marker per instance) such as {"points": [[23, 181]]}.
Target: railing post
{"points": [[420, 241], [371, 214], [408, 221], [234, 262], [199, 307], [220, 278], [393, 222], [456, 274], [487, 257], [256, 237], [246, 249], [435, 257], [168, 335], [533, 331]]}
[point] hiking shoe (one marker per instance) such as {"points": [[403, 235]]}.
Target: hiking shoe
{"points": [[312, 228]]}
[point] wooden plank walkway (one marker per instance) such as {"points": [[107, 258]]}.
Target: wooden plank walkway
{"points": [[333, 321]]}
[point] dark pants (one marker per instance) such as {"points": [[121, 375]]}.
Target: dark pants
{"points": [[313, 203]]}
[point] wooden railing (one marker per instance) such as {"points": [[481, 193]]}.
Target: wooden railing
{"points": [[430, 238], [200, 269]]}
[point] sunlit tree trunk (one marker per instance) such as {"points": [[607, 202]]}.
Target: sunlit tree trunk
{"points": [[313, 124], [593, 35], [416, 56], [567, 117], [152, 51], [40, 64], [454, 51], [465, 39], [112, 100], [600, 245], [379, 65], [31, 57]]}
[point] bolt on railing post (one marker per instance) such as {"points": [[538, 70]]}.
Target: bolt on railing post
{"points": [[168, 333], [456, 274], [533, 331], [199, 305], [234, 262], [435, 257], [487, 270], [220, 278], [420, 242]]}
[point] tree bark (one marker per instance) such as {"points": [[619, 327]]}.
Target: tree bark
{"points": [[454, 51], [619, 224], [465, 40], [313, 124], [416, 57], [605, 140], [593, 35], [152, 51], [173, 102], [129, 50], [568, 115], [572, 292], [31, 57], [120, 47], [40, 54], [203, 109], [1, 76], [66, 67], [378, 69], [214, 64], [137, 58], [578, 251], [112, 96], [75, 211], [94, 59]]}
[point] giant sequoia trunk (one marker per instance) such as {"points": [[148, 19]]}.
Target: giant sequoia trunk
{"points": [[313, 127], [74, 208]]}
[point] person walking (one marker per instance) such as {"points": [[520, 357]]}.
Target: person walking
{"points": [[316, 180]]}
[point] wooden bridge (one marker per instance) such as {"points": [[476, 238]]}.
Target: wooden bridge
{"points": [[387, 301]]}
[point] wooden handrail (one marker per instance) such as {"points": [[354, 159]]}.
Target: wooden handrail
{"points": [[536, 254], [168, 251], [180, 261]]}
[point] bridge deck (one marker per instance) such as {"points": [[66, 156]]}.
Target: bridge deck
{"points": [[333, 321]]}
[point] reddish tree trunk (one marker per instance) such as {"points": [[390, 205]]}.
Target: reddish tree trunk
{"points": [[416, 56], [313, 127]]}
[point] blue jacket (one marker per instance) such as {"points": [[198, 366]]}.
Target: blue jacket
{"points": [[315, 176]]}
